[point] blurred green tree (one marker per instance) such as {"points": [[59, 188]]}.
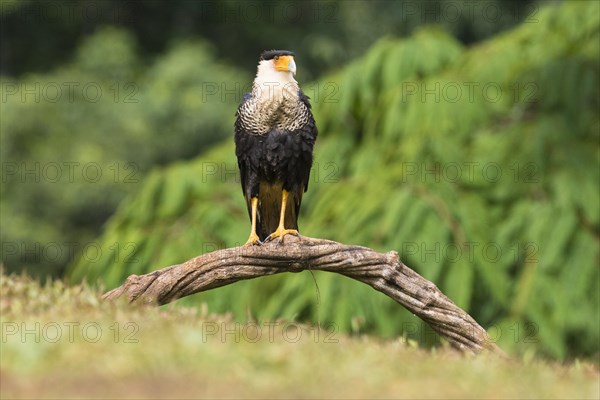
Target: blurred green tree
{"points": [[75, 141], [37, 36]]}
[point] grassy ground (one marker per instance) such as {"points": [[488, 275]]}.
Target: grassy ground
{"points": [[64, 342]]}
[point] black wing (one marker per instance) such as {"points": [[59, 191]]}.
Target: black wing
{"points": [[308, 134], [239, 137]]}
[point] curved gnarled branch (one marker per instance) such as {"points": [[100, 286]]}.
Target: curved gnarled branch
{"points": [[382, 271]]}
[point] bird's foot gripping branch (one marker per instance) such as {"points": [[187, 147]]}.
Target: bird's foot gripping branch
{"points": [[382, 271]]}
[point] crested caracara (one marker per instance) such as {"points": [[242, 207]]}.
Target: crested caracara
{"points": [[274, 137]]}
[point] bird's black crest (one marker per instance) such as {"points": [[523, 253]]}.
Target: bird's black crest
{"points": [[269, 54]]}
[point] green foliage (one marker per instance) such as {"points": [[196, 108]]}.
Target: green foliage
{"points": [[491, 193], [77, 140]]}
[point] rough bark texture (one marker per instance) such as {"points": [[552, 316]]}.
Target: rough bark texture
{"points": [[382, 271]]}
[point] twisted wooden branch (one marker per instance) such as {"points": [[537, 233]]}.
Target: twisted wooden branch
{"points": [[384, 272]]}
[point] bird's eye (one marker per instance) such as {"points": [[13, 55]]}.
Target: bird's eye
{"points": [[276, 58]]}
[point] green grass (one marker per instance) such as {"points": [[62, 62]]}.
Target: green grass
{"points": [[62, 341]]}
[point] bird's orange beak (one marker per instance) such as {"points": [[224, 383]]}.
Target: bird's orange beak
{"points": [[285, 63]]}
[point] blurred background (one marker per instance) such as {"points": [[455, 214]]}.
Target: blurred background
{"points": [[464, 135]]}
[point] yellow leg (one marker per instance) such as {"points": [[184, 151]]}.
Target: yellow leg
{"points": [[253, 239], [281, 231]]}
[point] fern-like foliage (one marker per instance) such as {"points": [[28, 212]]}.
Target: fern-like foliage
{"points": [[479, 165]]}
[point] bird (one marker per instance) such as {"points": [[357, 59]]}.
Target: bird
{"points": [[275, 133]]}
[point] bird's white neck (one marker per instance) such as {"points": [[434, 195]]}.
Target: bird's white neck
{"points": [[271, 85]]}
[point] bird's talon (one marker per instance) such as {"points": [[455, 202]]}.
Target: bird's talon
{"points": [[253, 240], [280, 233]]}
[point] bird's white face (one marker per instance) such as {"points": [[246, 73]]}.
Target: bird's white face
{"points": [[277, 69], [275, 80]]}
